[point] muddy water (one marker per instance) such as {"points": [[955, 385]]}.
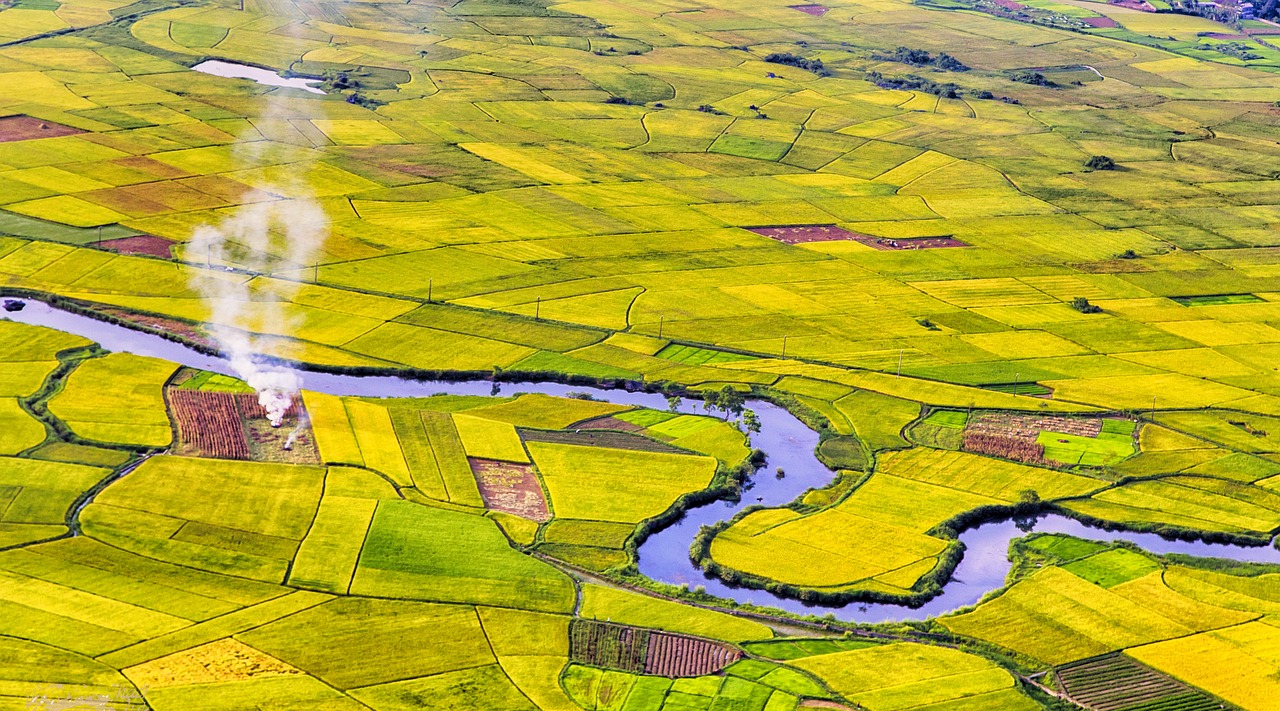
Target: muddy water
{"points": [[665, 555]]}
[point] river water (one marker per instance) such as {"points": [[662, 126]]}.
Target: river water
{"points": [[665, 555]]}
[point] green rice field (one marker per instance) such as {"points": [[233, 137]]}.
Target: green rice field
{"points": [[1001, 259]]}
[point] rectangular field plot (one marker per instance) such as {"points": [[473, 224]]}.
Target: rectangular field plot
{"points": [[25, 128], [511, 488], [1236, 664], [1117, 682], [805, 234]]}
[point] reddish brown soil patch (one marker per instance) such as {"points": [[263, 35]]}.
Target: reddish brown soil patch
{"points": [[1262, 31], [142, 244], [25, 128], [822, 704], [609, 423], [1030, 426], [886, 244], [1013, 437], [510, 488], [227, 425], [1010, 4], [209, 424], [1100, 22], [802, 234], [592, 437], [677, 655], [815, 10], [1134, 5], [160, 323]]}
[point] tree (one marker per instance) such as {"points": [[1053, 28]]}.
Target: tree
{"points": [[1082, 305], [730, 401], [1100, 163], [673, 403], [751, 421]]}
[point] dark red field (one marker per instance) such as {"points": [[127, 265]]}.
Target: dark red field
{"points": [[816, 10], [25, 128], [510, 488], [142, 244], [1100, 22], [1010, 4]]}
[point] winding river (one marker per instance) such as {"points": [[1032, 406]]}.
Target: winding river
{"points": [[665, 555]]}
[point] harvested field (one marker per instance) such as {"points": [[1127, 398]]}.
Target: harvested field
{"points": [[678, 655], [609, 423], [226, 425], [641, 651], [886, 244], [209, 424], [1116, 682], [801, 234], [1030, 426], [811, 9], [606, 438], [804, 234], [1018, 449], [1100, 22], [510, 488], [25, 128], [142, 244]]}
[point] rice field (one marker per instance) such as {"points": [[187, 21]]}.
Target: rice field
{"points": [[1043, 214]]}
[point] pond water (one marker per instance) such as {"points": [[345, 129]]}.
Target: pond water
{"points": [[266, 77], [665, 555]]}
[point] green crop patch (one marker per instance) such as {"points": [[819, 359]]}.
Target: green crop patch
{"points": [[416, 552], [1217, 299]]}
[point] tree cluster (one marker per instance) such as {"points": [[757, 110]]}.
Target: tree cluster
{"points": [[794, 60]]}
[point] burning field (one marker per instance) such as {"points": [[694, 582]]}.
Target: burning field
{"points": [[233, 425]]}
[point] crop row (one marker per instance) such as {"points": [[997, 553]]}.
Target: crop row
{"points": [[210, 423], [608, 645], [1119, 683], [677, 655], [1015, 448]]}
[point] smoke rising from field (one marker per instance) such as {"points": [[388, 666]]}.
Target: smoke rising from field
{"points": [[263, 238]]}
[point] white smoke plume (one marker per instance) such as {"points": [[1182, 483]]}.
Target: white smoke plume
{"points": [[263, 238]]}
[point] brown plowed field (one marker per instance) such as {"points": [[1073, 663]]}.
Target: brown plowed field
{"points": [[209, 424], [510, 488], [142, 244], [677, 655], [25, 128]]}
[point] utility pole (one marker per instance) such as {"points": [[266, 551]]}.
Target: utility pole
{"points": [[661, 318], [784, 346], [537, 310], [900, 350], [315, 273], [1153, 408], [430, 284], [1015, 383]]}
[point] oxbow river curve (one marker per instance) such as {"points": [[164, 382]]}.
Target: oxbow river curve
{"points": [[665, 555]]}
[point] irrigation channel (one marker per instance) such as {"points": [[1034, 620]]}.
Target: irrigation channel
{"points": [[665, 555]]}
